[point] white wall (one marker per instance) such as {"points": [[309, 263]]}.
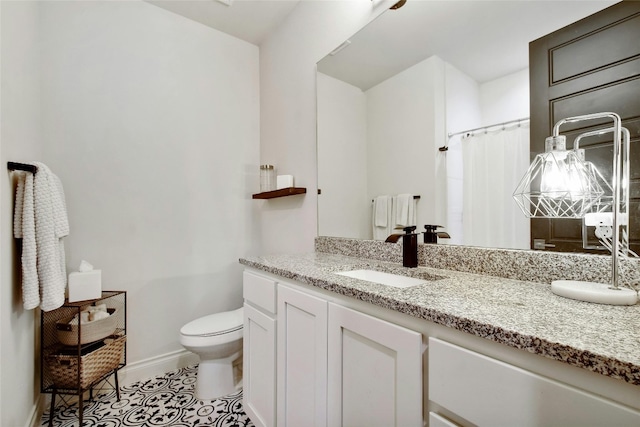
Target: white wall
{"points": [[152, 123], [344, 208], [405, 125], [288, 110], [505, 98], [19, 140], [464, 111]]}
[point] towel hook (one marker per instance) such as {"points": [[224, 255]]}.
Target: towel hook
{"points": [[14, 166]]}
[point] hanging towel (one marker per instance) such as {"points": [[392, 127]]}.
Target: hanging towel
{"points": [[40, 220], [381, 217], [405, 213]]}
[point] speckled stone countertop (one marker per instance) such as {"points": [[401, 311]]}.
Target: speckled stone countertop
{"points": [[524, 315]]}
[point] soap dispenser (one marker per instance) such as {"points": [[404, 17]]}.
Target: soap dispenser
{"points": [[410, 247]]}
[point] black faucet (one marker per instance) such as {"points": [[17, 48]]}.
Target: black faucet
{"points": [[409, 246], [431, 234]]}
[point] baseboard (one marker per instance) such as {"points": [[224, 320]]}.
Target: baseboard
{"points": [[156, 365], [36, 414]]}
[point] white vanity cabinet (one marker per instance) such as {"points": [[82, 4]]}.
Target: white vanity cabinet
{"points": [[487, 392], [302, 359], [375, 371], [340, 361], [259, 349], [335, 366]]}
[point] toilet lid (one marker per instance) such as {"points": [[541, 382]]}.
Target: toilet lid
{"points": [[215, 324]]}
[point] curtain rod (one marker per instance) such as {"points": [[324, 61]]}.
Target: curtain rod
{"points": [[486, 128]]}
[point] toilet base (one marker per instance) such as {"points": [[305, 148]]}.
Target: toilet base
{"points": [[215, 378]]}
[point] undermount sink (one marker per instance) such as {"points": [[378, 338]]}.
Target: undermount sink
{"points": [[388, 279]]}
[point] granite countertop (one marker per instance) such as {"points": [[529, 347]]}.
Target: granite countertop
{"points": [[524, 315]]}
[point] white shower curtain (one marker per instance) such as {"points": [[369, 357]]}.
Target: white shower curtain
{"points": [[493, 164]]}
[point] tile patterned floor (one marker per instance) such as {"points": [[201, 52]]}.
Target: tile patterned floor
{"points": [[166, 400]]}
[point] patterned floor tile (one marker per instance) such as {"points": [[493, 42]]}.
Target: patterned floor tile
{"points": [[166, 400]]}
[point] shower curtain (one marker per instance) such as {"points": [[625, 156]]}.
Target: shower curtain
{"points": [[493, 164]]}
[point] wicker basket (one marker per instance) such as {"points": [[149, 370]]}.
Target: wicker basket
{"points": [[63, 368], [92, 331]]}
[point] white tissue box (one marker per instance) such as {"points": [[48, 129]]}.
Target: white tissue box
{"points": [[284, 181], [85, 285]]}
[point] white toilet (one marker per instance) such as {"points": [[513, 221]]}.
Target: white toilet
{"points": [[217, 339]]}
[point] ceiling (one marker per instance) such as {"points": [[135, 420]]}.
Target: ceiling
{"points": [[484, 39], [248, 20]]}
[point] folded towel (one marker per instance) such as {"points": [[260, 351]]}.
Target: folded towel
{"points": [[404, 210], [40, 219]]}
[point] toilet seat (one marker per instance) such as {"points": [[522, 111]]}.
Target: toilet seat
{"points": [[214, 324]]}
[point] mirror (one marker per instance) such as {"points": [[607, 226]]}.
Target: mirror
{"points": [[390, 96]]}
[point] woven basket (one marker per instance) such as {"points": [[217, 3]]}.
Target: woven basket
{"points": [[92, 331], [63, 368]]}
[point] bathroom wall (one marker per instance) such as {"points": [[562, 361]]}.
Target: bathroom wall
{"points": [[288, 110], [342, 147], [382, 141], [506, 98], [152, 123], [464, 111], [404, 132], [20, 138]]}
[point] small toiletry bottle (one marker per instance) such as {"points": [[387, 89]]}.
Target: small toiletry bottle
{"points": [[267, 178]]}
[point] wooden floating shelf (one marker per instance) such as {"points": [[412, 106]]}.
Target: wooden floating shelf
{"points": [[283, 192]]}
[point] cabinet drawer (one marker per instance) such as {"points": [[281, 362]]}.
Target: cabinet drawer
{"points": [[259, 291], [488, 392]]}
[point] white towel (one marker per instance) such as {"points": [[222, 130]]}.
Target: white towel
{"points": [[405, 214], [381, 217], [40, 219]]}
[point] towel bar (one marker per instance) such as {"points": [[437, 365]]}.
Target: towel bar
{"points": [[416, 197], [13, 166]]}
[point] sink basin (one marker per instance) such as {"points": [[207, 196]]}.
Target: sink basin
{"points": [[388, 279]]}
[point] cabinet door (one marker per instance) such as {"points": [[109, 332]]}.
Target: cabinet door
{"points": [[259, 367], [488, 392], [375, 371], [302, 359]]}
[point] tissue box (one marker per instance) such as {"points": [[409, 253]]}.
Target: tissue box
{"points": [[284, 181], [85, 285]]}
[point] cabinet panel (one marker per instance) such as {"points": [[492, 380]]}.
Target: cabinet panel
{"points": [[488, 392], [302, 359], [436, 420], [375, 371], [259, 367], [260, 291]]}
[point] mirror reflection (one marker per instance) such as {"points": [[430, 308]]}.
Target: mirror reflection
{"points": [[423, 119]]}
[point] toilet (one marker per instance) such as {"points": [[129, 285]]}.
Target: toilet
{"points": [[217, 340]]}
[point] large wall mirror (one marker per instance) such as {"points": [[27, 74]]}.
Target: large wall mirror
{"points": [[430, 75]]}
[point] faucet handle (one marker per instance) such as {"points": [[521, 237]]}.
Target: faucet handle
{"points": [[409, 229]]}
